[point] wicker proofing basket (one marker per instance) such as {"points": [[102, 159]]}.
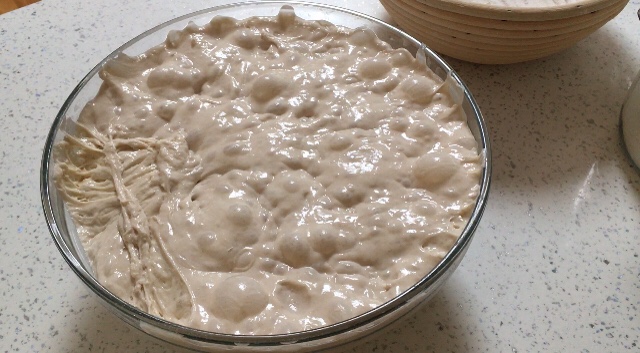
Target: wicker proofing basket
{"points": [[501, 31]]}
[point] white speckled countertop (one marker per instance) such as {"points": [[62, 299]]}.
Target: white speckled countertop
{"points": [[555, 262]]}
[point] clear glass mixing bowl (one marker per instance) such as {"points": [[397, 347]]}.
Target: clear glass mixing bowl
{"points": [[65, 236]]}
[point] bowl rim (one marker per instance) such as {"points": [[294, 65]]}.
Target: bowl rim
{"points": [[315, 334]]}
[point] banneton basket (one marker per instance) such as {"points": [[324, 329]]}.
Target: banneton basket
{"points": [[65, 236], [501, 31]]}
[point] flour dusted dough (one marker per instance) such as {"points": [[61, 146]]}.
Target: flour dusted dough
{"points": [[268, 175]]}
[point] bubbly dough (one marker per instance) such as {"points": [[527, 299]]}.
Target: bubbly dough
{"points": [[268, 175]]}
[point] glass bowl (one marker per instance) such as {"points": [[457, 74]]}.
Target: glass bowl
{"points": [[64, 233]]}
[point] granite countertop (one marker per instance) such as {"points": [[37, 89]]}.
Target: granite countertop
{"points": [[554, 264]]}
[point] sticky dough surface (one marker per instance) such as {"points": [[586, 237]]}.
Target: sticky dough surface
{"points": [[268, 175]]}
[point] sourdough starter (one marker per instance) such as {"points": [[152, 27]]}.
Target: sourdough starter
{"points": [[268, 175]]}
